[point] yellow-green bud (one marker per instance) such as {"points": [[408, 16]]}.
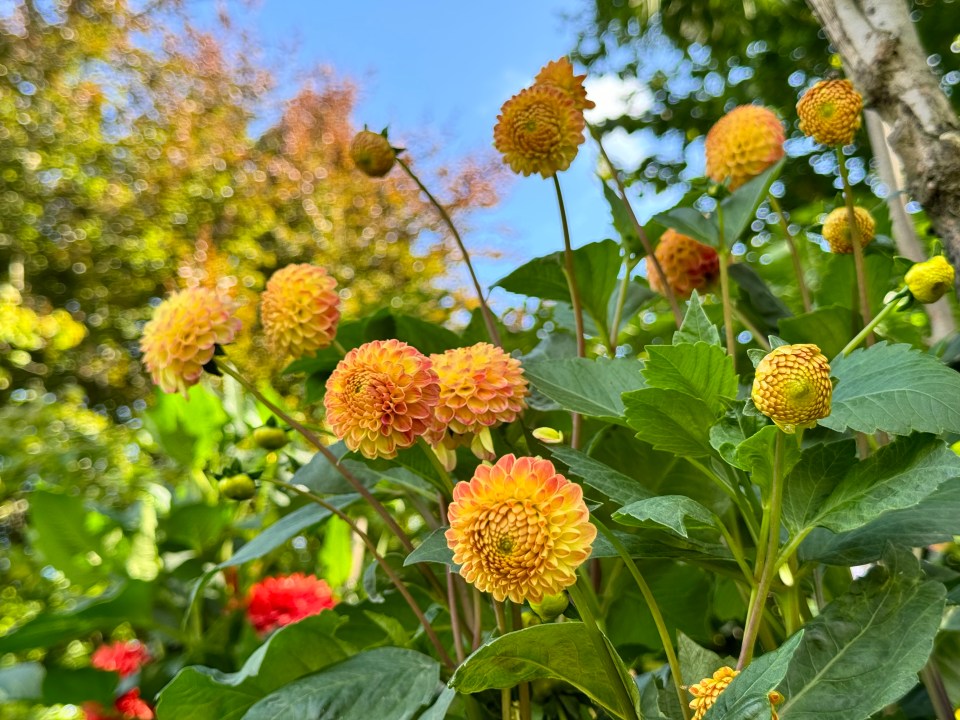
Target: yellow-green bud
{"points": [[270, 438], [548, 435], [372, 153], [552, 606], [928, 281], [237, 487]]}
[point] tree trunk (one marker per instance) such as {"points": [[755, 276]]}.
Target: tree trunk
{"points": [[887, 64]]}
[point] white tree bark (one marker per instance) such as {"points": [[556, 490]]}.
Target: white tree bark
{"points": [[887, 64]]}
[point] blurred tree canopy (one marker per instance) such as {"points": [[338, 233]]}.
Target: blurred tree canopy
{"points": [[129, 167]]}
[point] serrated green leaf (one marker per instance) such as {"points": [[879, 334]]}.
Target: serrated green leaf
{"points": [[756, 455], [829, 328], [816, 475], [697, 662], [700, 370], [880, 633], [894, 389], [670, 420], [696, 326], [740, 207], [615, 485], [675, 512], [690, 221], [589, 387]]}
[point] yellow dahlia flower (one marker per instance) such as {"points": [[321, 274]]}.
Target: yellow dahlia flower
{"points": [[928, 281], [300, 310], [180, 338], [792, 386], [559, 74], [688, 264], [372, 153], [539, 130], [829, 112], [480, 387], [836, 229], [706, 692], [381, 397], [742, 144], [519, 529]]}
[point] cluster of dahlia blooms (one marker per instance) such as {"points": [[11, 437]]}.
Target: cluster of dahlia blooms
{"points": [[125, 659], [284, 599]]}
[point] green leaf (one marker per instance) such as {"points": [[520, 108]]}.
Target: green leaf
{"points": [[621, 219], [690, 221], [60, 524], [381, 683], [697, 662], [756, 455], [839, 278], [670, 420], [202, 693], [560, 651], [746, 696], [696, 326], [74, 687], [589, 387], [894, 389], [638, 293], [615, 485], [756, 299], [807, 487], [22, 681], [880, 634], [829, 328], [434, 549], [671, 511], [740, 207], [427, 337], [700, 370]]}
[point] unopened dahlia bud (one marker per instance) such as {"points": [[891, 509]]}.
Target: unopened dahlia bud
{"points": [[559, 74], [829, 112], [237, 487], [300, 310], [742, 144], [183, 335], [372, 153], [928, 281], [792, 386], [706, 692], [270, 438], [836, 229], [548, 435], [688, 264], [551, 607]]}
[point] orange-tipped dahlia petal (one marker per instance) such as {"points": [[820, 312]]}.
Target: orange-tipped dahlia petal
{"points": [[836, 229], [372, 153], [792, 386], [742, 144], [929, 281], [829, 112], [381, 397], [519, 529], [706, 692], [559, 74], [300, 310], [688, 264], [180, 338], [538, 131]]}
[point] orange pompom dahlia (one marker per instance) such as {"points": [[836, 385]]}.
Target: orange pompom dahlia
{"points": [[792, 386], [480, 387], [300, 310], [519, 529], [539, 130], [278, 601], [372, 153], [706, 692], [742, 144], [688, 264], [180, 338], [829, 112], [381, 397], [559, 74], [836, 229], [123, 658]]}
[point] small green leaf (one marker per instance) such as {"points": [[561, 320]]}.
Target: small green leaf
{"points": [[676, 512], [670, 420], [615, 485], [700, 370], [621, 219], [589, 387], [756, 455], [692, 222], [433, 549], [696, 326], [740, 207], [697, 662]]}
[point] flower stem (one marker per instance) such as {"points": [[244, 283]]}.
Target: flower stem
{"points": [[794, 253], [506, 703], [488, 318], [605, 652], [628, 266], [856, 240], [654, 608], [569, 271], [523, 689], [725, 292], [767, 557], [862, 335], [437, 465], [753, 330]]}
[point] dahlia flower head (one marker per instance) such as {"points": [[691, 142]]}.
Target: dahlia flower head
{"points": [[519, 529], [481, 387], [559, 74], [381, 397], [183, 335], [300, 310], [129, 706], [930, 280], [830, 112], [123, 658], [278, 601], [836, 229], [792, 386], [742, 144], [688, 264], [372, 153]]}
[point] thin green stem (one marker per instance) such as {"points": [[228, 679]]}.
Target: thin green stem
{"points": [[856, 240], [736, 551], [488, 318], [933, 682], [767, 570], [733, 493], [605, 653], [654, 608], [621, 302], [757, 335], [862, 335], [437, 465], [339, 348], [506, 703], [794, 253], [523, 689], [725, 291], [570, 272], [791, 547]]}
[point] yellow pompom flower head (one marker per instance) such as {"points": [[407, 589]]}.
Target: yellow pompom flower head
{"points": [[381, 397], [519, 529], [300, 310], [480, 387], [559, 74], [792, 386], [930, 280], [688, 264], [539, 131], [183, 337], [706, 692], [829, 112], [836, 229], [742, 144], [372, 153]]}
